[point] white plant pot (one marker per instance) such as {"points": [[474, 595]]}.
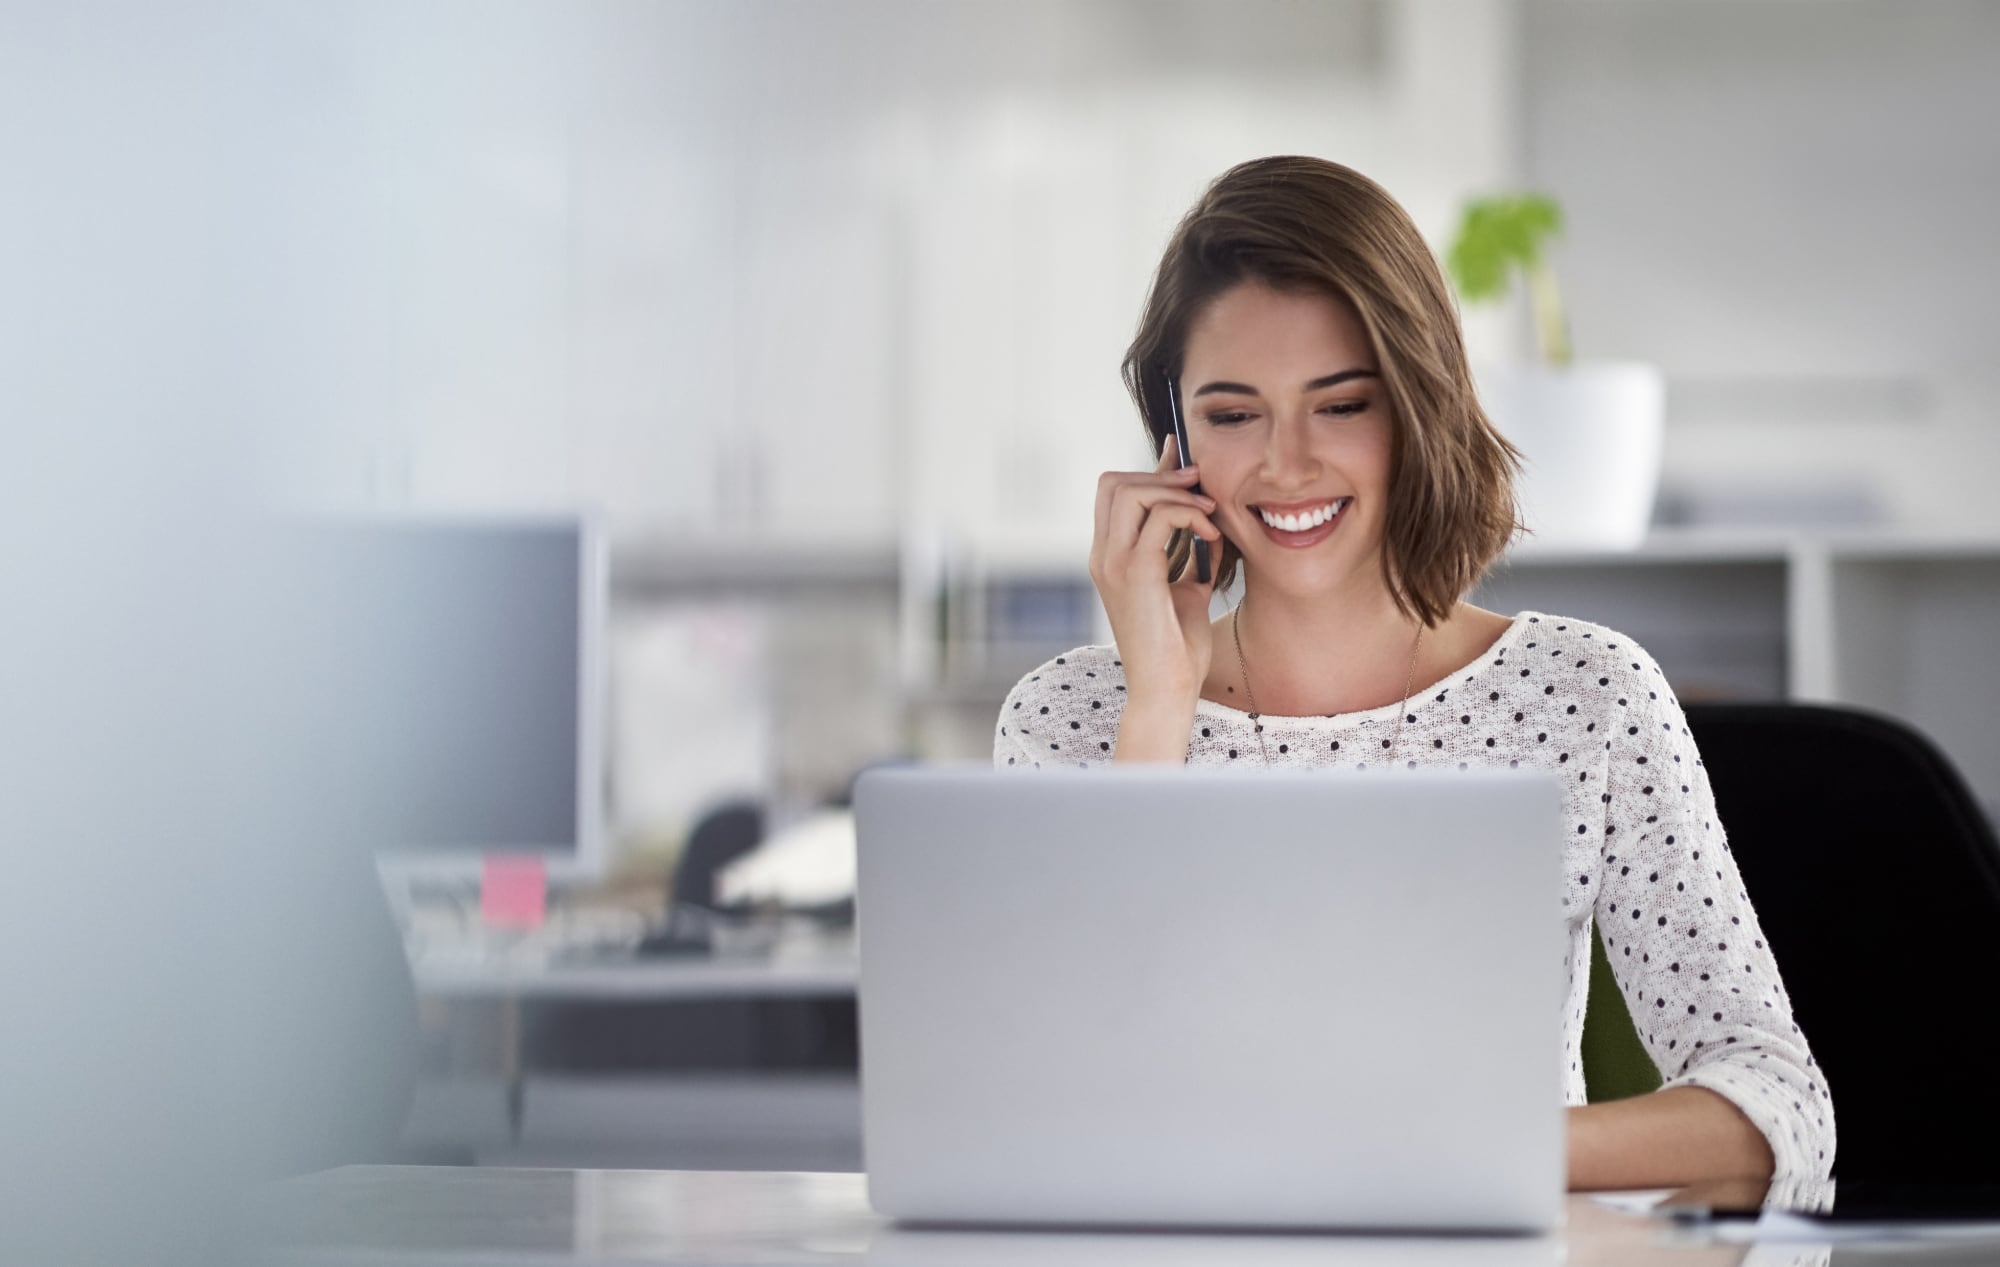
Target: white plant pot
{"points": [[1590, 437]]}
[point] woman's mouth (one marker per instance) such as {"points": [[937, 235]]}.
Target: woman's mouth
{"points": [[1307, 524]]}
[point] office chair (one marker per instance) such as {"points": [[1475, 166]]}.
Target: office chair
{"points": [[1876, 877]]}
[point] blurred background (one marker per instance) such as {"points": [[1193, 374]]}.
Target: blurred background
{"points": [[790, 332]]}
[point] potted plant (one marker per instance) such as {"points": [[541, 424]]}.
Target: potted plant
{"points": [[1590, 433]]}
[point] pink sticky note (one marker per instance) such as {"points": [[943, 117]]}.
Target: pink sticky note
{"points": [[514, 890]]}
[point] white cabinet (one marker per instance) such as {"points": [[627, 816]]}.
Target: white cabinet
{"points": [[653, 325], [1019, 317], [595, 280], [717, 368], [817, 366]]}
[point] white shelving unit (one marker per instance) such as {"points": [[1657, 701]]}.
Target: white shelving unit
{"points": [[1902, 624]]}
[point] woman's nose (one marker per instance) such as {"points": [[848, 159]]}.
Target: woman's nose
{"points": [[1288, 454]]}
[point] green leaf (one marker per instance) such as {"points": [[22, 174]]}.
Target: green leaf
{"points": [[1498, 236]]}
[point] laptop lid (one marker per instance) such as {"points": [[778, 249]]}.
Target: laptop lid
{"points": [[1157, 996]]}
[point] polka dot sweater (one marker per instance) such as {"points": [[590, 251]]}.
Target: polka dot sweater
{"points": [[1643, 855]]}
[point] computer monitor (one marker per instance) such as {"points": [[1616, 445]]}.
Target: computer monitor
{"points": [[475, 711]]}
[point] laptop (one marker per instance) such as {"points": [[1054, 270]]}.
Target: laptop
{"points": [[1162, 997]]}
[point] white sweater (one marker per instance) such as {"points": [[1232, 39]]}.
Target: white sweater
{"points": [[1642, 851]]}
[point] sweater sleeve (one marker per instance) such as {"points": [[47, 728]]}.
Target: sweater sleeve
{"points": [[1010, 746], [1062, 713], [1684, 943]]}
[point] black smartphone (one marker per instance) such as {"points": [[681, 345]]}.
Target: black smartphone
{"points": [[1181, 451]]}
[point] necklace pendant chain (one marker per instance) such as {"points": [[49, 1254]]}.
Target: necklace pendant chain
{"points": [[1257, 718]]}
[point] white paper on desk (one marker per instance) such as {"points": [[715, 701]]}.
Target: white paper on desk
{"points": [[1636, 1201], [1777, 1225], [808, 864]]}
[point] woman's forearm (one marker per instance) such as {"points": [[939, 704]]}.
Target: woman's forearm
{"points": [[1678, 1136], [1155, 730]]}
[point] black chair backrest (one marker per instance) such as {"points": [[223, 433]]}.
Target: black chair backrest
{"points": [[1876, 876]]}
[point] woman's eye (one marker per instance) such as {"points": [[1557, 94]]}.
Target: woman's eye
{"points": [[1342, 409], [1227, 419]]}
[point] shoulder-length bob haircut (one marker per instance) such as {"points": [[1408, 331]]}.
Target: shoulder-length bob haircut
{"points": [[1309, 225]]}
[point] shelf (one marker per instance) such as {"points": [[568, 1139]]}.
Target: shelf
{"points": [[1901, 622]]}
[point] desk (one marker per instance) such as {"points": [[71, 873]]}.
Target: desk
{"points": [[567, 1218], [728, 1108], [825, 967]]}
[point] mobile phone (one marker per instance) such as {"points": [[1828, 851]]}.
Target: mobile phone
{"points": [[1181, 451]]}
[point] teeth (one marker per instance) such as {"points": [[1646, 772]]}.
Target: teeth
{"points": [[1310, 519]]}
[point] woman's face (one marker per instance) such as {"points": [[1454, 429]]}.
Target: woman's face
{"points": [[1290, 423]]}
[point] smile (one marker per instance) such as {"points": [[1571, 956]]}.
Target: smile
{"points": [[1304, 520]]}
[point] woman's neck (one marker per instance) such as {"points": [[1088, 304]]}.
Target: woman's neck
{"points": [[1316, 656]]}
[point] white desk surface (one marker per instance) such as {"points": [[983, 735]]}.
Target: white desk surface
{"points": [[465, 1216], [664, 978], [819, 969]]}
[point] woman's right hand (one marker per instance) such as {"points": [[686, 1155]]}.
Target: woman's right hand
{"points": [[1161, 626]]}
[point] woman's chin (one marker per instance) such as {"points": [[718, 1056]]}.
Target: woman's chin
{"points": [[1315, 573]]}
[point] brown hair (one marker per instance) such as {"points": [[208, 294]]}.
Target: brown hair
{"points": [[1306, 224]]}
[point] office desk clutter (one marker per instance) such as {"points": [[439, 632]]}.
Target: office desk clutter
{"points": [[732, 892], [810, 864], [644, 1020], [736, 890], [606, 927], [450, 925]]}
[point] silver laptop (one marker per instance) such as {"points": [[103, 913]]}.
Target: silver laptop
{"points": [[1170, 997]]}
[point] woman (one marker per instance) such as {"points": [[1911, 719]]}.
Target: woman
{"points": [[1346, 471]]}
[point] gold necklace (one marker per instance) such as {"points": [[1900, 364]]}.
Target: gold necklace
{"points": [[1243, 667]]}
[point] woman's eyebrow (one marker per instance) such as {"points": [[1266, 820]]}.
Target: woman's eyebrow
{"points": [[1238, 389], [1244, 389], [1335, 380]]}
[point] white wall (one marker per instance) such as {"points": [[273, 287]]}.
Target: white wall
{"points": [[803, 273], [1790, 207]]}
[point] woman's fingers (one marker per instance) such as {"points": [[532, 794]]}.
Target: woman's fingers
{"points": [[1142, 520], [1111, 485], [1134, 505], [1140, 511], [1168, 518]]}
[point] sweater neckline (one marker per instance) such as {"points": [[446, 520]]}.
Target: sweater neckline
{"points": [[1463, 675]]}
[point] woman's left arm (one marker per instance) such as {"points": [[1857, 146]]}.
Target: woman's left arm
{"points": [[1673, 1137], [1744, 1096]]}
